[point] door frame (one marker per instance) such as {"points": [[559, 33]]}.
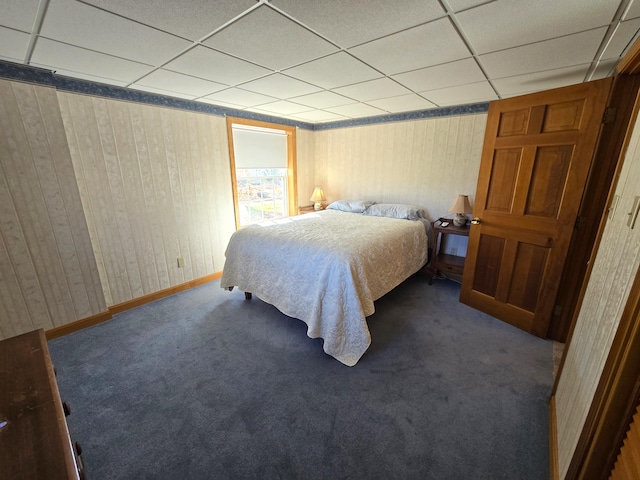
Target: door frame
{"points": [[618, 387]]}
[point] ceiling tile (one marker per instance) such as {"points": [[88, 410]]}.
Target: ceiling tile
{"points": [[160, 91], [403, 103], [237, 96], [372, 90], [560, 52], [445, 75], [333, 71], [322, 100], [509, 23], [622, 39], [535, 82], [13, 44], [356, 110], [176, 82], [221, 104], [460, 5], [431, 44], [462, 94], [282, 107], [280, 86], [55, 55], [318, 116], [196, 18], [88, 27], [19, 14], [269, 39], [206, 63], [352, 23], [633, 12], [91, 78], [605, 69]]}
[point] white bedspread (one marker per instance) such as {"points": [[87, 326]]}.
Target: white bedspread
{"points": [[327, 269]]}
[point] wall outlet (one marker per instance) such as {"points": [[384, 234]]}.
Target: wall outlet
{"points": [[180, 262]]}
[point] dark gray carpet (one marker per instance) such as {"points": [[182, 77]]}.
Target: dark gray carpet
{"points": [[206, 385]]}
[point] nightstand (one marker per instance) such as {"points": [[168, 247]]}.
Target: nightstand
{"points": [[308, 209], [440, 261]]}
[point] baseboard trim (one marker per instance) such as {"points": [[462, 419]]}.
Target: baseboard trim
{"points": [[136, 302], [554, 473], [124, 306], [78, 325]]}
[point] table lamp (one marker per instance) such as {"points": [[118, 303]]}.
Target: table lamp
{"points": [[461, 207], [318, 197]]}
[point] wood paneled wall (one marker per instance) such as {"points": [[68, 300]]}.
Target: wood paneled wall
{"points": [[48, 274], [155, 185], [422, 162], [614, 270], [106, 194]]}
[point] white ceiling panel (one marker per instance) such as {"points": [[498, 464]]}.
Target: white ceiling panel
{"points": [[469, 93], [215, 66], [179, 83], [633, 11], [60, 56], [509, 23], [322, 100], [431, 44], [352, 23], [280, 86], [440, 76], [336, 58], [604, 69], [88, 27], [19, 14], [318, 116], [269, 39], [460, 5], [238, 96], [535, 82], [90, 78], [333, 71], [160, 91], [356, 110], [13, 44], [191, 19], [282, 107], [625, 34], [373, 90], [565, 51], [403, 103]]}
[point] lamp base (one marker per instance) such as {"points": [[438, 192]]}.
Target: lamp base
{"points": [[317, 206], [460, 220]]}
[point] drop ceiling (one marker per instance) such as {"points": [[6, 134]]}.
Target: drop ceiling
{"points": [[319, 61]]}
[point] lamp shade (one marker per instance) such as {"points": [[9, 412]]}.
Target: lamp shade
{"points": [[317, 195], [461, 205]]}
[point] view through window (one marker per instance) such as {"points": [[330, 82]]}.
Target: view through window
{"points": [[262, 171]]}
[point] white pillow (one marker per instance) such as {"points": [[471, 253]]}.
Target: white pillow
{"points": [[353, 206], [395, 210]]}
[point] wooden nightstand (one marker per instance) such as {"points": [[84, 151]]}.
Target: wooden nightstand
{"points": [[308, 209], [441, 261]]}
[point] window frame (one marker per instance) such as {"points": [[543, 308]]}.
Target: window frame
{"points": [[292, 184]]}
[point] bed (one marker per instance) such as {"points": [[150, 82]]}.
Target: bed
{"points": [[327, 268]]}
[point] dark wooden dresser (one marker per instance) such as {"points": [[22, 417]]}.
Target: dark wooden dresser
{"points": [[34, 438]]}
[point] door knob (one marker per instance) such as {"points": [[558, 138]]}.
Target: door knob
{"points": [[476, 221]]}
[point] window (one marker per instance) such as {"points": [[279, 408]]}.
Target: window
{"points": [[262, 169]]}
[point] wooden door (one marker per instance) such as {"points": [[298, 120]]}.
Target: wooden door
{"points": [[537, 153]]}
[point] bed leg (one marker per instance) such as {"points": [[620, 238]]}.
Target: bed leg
{"points": [[247, 295]]}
